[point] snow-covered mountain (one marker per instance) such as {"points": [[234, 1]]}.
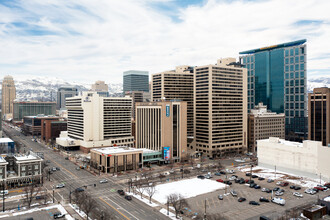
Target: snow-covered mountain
{"points": [[45, 88]]}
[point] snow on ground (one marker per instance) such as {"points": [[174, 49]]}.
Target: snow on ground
{"points": [[280, 175], [59, 207], [187, 188], [327, 199], [171, 215], [146, 201]]}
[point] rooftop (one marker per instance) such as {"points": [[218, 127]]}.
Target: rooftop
{"points": [[136, 72], [116, 150], [26, 157], [5, 140], [282, 141], [288, 44], [314, 208]]}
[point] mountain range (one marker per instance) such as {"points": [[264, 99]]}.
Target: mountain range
{"points": [[45, 88]]}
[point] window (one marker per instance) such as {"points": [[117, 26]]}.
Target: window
{"points": [[302, 74], [302, 105], [286, 53], [22, 173], [302, 90], [23, 168], [36, 167], [291, 113], [296, 98], [296, 59], [291, 67], [296, 67], [287, 83], [296, 51], [291, 75], [302, 66], [302, 58], [291, 60], [286, 90], [286, 60], [287, 76], [297, 113], [291, 52], [291, 98], [302, 98], [302, 82], [297, 82], [302, 114], [297, 75], [252, 66], [286, 68]]}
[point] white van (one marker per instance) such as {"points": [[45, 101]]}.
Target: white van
{"points": [[2, 192], [278, 201]]}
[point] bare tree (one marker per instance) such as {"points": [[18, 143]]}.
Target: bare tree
{"points": [[151, 190], [178, 202], [88, 205], [219, 165], [30, 192], [191, 161], [161, 176], [79, 198], [139, 185]]}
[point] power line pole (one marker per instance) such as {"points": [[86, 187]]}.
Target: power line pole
{"points": [[205, 210], [3, 196]]}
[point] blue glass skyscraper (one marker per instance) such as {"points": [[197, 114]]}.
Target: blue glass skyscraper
{"points": [[134, 80], [277, 77]]}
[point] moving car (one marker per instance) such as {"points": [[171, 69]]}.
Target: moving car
{"points": [[298, 194], [58, 215], [79, 190], [254, 203], [263, 199], [220, 197], [54, 169], [103, 181], [4, 192], [121, 192], [61, 185], [129, 198], [279, 201], [241, 199]]}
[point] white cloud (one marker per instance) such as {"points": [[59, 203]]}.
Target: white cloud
{"points": [[101, 39]]}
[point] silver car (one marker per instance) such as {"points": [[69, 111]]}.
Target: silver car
{"points": [[103, 181], [61, 185]]}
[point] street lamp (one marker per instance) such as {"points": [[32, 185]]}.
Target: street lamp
{"points": [[53, 194]]}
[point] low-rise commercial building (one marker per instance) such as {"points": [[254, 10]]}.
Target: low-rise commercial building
{"points": [[7, 145], [116, 159], [309, 158], [32, 124], [264, 124], [162, 126], [51, 129]]}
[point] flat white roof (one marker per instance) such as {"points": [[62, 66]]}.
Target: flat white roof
{"points": [[282, 141], [5, 140], [2, 160], [26, 157], [116, 150], [145, 150]]}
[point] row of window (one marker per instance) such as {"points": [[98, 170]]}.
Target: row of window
{"points": [[295, 67]]}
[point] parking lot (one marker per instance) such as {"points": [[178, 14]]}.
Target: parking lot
{"points": [[230, 208], [38, 215]]}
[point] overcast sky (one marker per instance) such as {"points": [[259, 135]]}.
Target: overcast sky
{"points": [[89, 40]]}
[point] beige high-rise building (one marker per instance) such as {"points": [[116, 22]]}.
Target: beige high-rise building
{"points": [[319, 115], [138, 96], [96, 121], [177, 85], [100, 86], [220, 108], [8, 96], [162, 126], [264, 124]]}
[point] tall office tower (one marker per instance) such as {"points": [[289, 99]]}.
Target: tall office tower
{"points": [[176, 84], [319, 115], [264, 124], [220, 108], [101, 88], [8, 96], [162, 126], [134, 80], [97, 121], [277, 78], [138, 96], [63, 93]]}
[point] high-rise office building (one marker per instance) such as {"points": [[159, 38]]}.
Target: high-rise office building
{"points": [[138, 96], [264, 124], [176, 84], [22, 109], [162, 126], [97, 121], [319, 115], [101, 88], [8, 97], [134, 80], [63, 93], [220, 108], [277, 77]]}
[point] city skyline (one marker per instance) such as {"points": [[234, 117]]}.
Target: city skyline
{"points": [[103, 40]]}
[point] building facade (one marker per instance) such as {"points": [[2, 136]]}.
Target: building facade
{"points": [[134, 80], [177, 85], [97, 121], [220, 108], [63, 93], [22, 109], [101, 88], [264, 124], [162, 127], [51, 129], [277, 77], [308, 159], [116, 159], [8, 97], [138, 96], [319, 115]]}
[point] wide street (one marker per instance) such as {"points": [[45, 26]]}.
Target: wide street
{"points": [[105, 194]]}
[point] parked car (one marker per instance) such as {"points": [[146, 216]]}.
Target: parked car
{"points": [[241, 199], [278, 193], [58, 215], [220, 197], [247, 174], [217, 173], [252, 185], [129, 198], [254, 176], [40, 197], [227, 182], [233, 193], [61, 185], [284, 184], [250, 181], [298, 194], [254, 203], [103, 181], [208, 176], [242, 181], [237, 180], [276, 188], [257, 187], [4, 192], [222, 172], [54, 169], [121, 192], [201, 177], [67, 158], [297, 187], [279, 183], [261, 178], [232, 178], [77, 168], [270, 181], [310, 191], [79, 190], [219, 180], [278, 201], [327, 185], [319, 188], [263, 199]]}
